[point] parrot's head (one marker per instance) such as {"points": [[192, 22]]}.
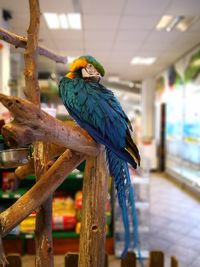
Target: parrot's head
{"points": [[86, 67]]}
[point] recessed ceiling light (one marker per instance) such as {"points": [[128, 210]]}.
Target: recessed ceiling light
{"points": [[164, 22], [181, 23], [186, 23], [113, 79], [74, 20], [143, 60], [52, 20], [174, 23], [71, 59], [62, 21]]}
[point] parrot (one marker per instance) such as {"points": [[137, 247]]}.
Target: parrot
{"points": [[98, 111]]}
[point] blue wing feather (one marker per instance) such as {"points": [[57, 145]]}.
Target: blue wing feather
{"points": [[97, 110], [100, 114]]}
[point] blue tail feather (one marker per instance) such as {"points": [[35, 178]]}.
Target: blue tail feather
{"points": [[119, 171]]}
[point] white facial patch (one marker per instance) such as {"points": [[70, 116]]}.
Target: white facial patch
{"points": [[90, 71]]}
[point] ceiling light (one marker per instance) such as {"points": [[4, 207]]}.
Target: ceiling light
{"points": [[184, 24], [164, 22], [63, 21], [70, 59], [74, 20], [113, 79], [52, 20], [143, 60], [174, 23]]}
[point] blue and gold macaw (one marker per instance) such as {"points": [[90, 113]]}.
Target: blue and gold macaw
{"points": [[96, 109]]}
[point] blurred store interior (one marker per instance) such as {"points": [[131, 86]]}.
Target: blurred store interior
{"points": [[150, 50]]}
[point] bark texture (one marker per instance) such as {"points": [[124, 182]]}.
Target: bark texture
{"points": [[21, 41], [93, 225], [32, 199]]}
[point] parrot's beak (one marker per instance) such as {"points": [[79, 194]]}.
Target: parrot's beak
{"points": [[90, 72]]}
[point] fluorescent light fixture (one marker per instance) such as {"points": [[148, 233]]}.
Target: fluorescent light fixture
{"points": [[184, 24], [174, 23], [74, 20], [143, 60], [71, 59], [63, 21], [181, 23], [52, 20], [164, 22], [113, 79]]}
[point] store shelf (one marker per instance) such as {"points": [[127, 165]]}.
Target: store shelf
{"points": [[12, 195], [55, 234]]}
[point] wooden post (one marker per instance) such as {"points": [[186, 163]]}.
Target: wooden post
{"points": [[3, 260], [14, 260], [43, 227], [129, 260], [174, 262], [93, 227], [156, 259], [38, 193], [71, 259], [43, 231]]}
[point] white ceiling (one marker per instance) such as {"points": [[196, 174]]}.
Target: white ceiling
{"points": [[114, 31]]}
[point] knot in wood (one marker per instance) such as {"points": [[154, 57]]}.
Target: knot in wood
{"points": [[95, 228]]}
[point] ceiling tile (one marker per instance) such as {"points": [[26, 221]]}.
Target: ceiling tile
{"points": [[70, 44], [96, 22], [184, 7], [61, 6], [162, 36], [102, 7], [131, 35], [124, 45], [144, 7], [67, 35], [195, 26], [97, 45], [138, 22], [99, 35], [11, 5]]}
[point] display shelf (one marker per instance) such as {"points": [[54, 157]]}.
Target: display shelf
{"points": [[55, 234], [12, 195]]}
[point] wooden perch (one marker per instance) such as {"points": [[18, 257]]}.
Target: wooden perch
{"points": [[93, 223], [23, 171], [3, 260], [48, 183], [43, 127], [43, 224], [20, 41]]}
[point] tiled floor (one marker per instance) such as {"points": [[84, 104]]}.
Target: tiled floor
{"points": [[174, 225], [175, 222]]}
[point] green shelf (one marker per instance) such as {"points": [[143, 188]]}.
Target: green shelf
{"points": [[73, 176], [12, 195], [55, 234]]}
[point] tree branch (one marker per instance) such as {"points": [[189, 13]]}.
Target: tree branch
{"points": [[20, 41], [48, 183], [33, 124]]}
